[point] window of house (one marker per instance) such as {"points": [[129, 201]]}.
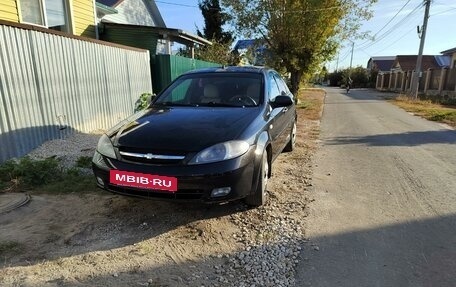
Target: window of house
{"points": [[53, 14]]}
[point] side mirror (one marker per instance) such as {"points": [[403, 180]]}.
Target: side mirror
{"points": [[281, 101]]}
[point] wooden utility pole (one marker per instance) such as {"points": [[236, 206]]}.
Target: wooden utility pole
{"points": [[417, 74]]}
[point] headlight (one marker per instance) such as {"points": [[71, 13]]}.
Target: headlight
{"points": [[221, 151], [105, 147]]}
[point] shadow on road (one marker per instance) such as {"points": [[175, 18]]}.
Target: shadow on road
{"points": [[401, 139], [372, 257], [416, 253]]}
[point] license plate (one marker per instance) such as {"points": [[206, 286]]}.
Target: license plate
{"points": [[142, 180]]}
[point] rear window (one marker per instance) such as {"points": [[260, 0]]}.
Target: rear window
{"points": [[214, 89]]}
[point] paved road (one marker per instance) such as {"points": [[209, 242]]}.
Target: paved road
{"points": [[385, 198]]}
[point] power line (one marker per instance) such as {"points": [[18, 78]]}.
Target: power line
{"points": [[384, 26], [395, 15], [176, 4], [443, 12], [395, 41], [397, 25]]}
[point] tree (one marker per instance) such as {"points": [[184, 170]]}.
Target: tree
{"points": [[300, 34], [218, 53], [214, 19], [359, 76]]}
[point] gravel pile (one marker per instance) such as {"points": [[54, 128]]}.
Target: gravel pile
{"points": [[271, 240], [67, 150]]}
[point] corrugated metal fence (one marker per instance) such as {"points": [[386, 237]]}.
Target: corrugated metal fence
{"points": [[51, 85]]}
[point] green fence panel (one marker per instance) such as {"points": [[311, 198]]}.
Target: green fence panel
{"points": [[166, 68]]}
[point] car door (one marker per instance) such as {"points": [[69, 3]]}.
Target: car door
{"points": [[277, 117], [288, 113]]}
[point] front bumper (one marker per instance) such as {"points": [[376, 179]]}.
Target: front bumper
{"points": [[195, 182]]}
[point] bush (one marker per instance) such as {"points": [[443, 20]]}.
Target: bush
{"points": [[27, 172], [46, 174], [84, 162], [143, 102]]}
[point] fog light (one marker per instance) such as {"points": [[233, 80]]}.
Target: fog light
{"points": [[100, 181], [222, 191]]}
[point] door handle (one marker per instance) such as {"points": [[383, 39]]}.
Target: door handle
{"points": [[285, 110]]}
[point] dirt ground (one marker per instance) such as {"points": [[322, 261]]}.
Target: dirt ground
{"points": [[100, 239]]}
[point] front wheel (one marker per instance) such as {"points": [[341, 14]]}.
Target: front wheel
{"points": [[259, 197], [292, 143]]}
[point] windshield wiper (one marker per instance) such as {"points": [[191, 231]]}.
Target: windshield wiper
{"points": [[172, 104], [212, 104]]}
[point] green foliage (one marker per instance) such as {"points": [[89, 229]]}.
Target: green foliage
{"points": [[448, 102], [299, 34], [373, 78], [84, 162], [335, 78], [46, 174], [73, 181], [214, 19], [359, 76], [143, 102], [27, 172], [217, 53], [10, 247], [428, 109]]}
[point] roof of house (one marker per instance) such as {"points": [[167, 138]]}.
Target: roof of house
{"points": [[248, 43], [110, 3], [381, 63], [104, 9], [443, 60], [408, 62], [449, 51], [151, 8], [175, 35], [384, 65]]}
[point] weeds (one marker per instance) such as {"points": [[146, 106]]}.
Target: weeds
{"points": [[10, 247], [311, 100], [27, 173], [45, 175], [428, 110], [84, 162]]}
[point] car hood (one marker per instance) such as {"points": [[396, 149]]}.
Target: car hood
{"points": [[183, 129]]}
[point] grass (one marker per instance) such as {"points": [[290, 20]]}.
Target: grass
{"points": [[10, 247], [84, 162], [44, 175], [311, 100], [428, 110]]}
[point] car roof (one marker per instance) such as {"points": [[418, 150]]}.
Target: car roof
{"points": [[230, 69]]}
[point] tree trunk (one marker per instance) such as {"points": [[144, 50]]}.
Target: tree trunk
{"points": [[295, 81]]}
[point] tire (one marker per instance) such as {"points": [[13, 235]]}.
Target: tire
{"points": [[292, 143], [260, 196]]}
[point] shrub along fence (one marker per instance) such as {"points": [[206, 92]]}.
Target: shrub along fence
{"points": [[52, 84]]}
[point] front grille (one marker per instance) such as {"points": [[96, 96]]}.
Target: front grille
{"points": [[184, 194], [145, 156]]}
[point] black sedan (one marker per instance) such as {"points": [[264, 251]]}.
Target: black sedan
{"points": [[212, 136]]}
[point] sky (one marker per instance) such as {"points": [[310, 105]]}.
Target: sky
{"points": [[393, 26]]}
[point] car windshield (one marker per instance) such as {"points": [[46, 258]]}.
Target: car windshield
{"points": [[214, 90]]}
